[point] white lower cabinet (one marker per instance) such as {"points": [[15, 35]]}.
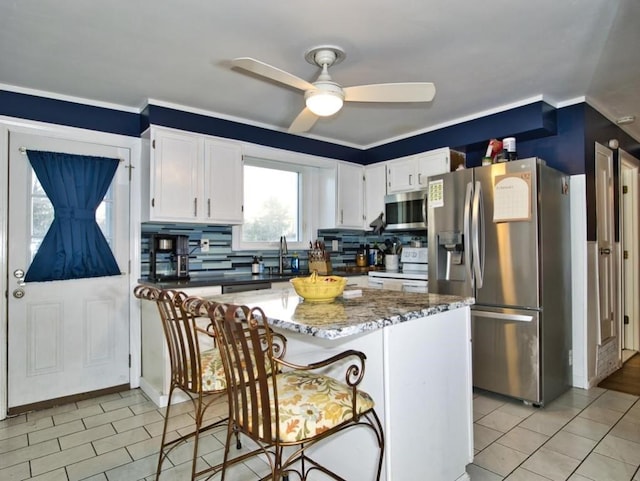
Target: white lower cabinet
{"points": [[419, 375], [357, 281], [156, 368]]}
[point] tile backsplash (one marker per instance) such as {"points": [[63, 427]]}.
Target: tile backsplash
{"points": [[221, 258]]}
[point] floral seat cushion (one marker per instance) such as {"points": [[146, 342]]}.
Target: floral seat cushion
{"points": [[311, 404], [213, 378]]}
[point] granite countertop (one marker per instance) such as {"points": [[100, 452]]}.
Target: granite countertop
{"points": [[374, 309]]}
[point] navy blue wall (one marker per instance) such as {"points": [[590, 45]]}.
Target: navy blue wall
{"points": [[72, 114], [235, 130], [563, 137], [472, 137]]}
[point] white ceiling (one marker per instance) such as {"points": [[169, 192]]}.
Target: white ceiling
{"points": [[482, 56]]}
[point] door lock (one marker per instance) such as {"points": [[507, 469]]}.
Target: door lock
{"points": [[18, 293]]}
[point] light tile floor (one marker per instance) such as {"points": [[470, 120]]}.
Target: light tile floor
{"points": [[583, 435]]}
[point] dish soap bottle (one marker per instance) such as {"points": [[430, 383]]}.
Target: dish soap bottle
{"points": [[255, 266], [295, 263]]}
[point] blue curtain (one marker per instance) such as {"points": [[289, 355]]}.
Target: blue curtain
{"points": [[74, 246]]}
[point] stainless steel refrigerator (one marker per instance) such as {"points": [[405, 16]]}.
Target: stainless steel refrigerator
{"points": [[501, 233]]}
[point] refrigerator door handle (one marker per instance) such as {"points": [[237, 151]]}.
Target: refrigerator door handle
{"points": [[424, 209], [477, 231], [466, 234], [502, 317]]}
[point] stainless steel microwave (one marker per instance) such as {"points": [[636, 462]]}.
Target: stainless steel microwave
{"points": [[406, 210]]}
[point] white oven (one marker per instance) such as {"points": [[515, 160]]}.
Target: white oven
{"points": [[413, 277]]}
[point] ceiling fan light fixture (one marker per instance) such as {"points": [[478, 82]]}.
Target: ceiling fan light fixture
{"points": [[323, 103]]}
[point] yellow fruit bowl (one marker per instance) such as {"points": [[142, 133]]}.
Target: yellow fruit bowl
{"points": [[317, 288]]}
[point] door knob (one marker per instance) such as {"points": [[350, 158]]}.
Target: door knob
{"points": [[605, 252], [18, 293]]}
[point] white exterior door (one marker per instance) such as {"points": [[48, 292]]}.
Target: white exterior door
{"points": [[64, 337]]}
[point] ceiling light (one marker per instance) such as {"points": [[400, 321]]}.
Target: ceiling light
{"points": [[629, 119], [324, 102]]}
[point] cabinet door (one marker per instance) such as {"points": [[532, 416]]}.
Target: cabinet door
{"points": [[375, 188], [176, 164], [401, 175], [224, 186], [431, 163], [350, 195]]}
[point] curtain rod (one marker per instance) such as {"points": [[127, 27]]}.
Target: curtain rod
{"points": [[23, 151]]}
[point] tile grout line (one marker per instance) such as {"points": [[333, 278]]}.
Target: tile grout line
{"points": [[551, 437]]}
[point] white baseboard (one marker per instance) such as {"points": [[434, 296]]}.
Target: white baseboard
{"points": [[159, 399]]}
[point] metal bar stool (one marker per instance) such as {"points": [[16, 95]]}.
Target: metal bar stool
{"points": [[198, 373], [282, 407]]}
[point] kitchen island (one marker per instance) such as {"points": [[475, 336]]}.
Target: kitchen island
{"points": [[418, 370]]}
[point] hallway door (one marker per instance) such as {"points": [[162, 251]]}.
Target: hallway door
{"points": [[72, 336], [605, 243], [630, 239]]}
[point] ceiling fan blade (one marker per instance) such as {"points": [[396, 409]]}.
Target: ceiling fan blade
{"points": [[391, 92], [271, 72], [303, 122]]}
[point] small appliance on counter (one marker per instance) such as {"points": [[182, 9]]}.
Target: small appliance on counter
{"points": [[168, 257]]}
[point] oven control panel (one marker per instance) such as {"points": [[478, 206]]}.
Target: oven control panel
{"points": [[414, 255]]}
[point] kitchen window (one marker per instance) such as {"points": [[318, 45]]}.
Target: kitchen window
{"points": [[278, 201], [271, 204]]}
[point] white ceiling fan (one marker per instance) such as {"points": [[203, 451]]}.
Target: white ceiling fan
{"points": [[324, 97]]}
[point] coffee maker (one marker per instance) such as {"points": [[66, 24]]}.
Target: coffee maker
{"points": [[169, 257]]}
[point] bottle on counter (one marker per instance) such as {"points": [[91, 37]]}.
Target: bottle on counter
{"points": [[261, 265], [361, 260], [295, 263], [371, 255], [255, 266]]}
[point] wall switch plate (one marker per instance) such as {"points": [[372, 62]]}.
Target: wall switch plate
{"points": [[335, 245], [204, 245]]}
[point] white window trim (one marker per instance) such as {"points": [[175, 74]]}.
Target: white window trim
{"points": [[312, 168]]}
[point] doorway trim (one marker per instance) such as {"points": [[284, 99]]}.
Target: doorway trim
{"points": [[9, 124], [629, 169]]}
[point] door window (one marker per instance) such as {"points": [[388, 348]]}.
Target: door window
{"points": [[42, 215]]}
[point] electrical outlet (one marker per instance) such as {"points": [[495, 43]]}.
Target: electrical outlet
{"points": [[204, 245], [335, 245]]}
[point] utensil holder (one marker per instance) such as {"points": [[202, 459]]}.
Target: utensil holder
{"points": [[391, 262], [321, 267]]}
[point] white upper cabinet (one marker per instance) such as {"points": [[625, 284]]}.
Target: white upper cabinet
{"points": [[350, 202], [412, 172], [375, 188], [224, 182], [175, 175], [191, 178]]}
